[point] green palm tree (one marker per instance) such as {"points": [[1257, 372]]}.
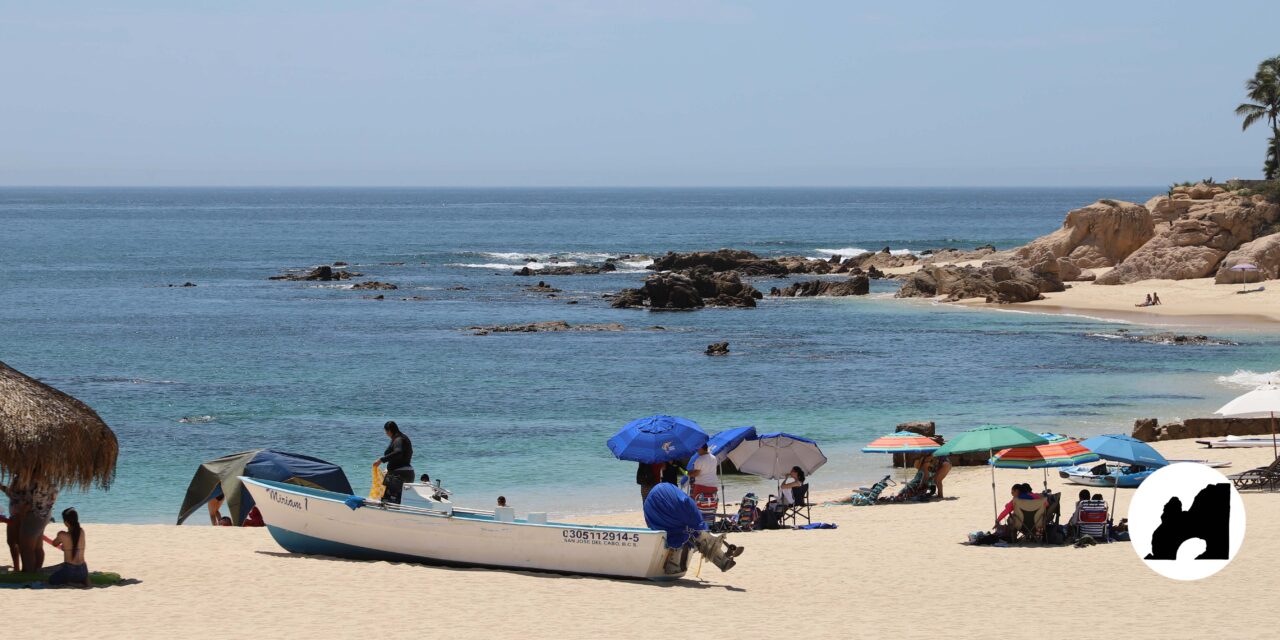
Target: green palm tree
{"points": [[1263, 90]]}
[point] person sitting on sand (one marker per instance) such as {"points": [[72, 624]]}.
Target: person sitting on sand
{"points": [[1145, 303], [502, 501], [1155, 298], [918, 484], [225, 521], [73, 569]]}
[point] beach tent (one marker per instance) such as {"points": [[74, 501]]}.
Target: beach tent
{"points": [[223, 475]]}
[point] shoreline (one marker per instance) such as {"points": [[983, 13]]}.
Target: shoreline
{"points": [[1198, 303], [875, 555]]}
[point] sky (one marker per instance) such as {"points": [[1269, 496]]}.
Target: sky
{"points": [[631, 93]]}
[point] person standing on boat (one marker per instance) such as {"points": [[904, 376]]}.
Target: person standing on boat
{"points": [[398, 457]]}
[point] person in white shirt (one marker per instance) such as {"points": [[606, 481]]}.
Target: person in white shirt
{"points": [[705, 483], [704, 470]]}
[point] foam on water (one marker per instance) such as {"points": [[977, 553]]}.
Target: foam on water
{"points": [[1249, 379], [849, 252]]}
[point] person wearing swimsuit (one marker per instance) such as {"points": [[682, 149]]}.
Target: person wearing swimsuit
{"points": [[73, 569]]}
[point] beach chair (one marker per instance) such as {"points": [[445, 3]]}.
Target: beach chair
{"points": [[1092, 520], [800, 505], [866, 496], [1267, 477], [1028, 519]]}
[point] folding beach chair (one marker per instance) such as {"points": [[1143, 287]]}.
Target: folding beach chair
{"points": [[1028, 519], [799, 507], [1267, 477], [866, 496], [1092, 520]]}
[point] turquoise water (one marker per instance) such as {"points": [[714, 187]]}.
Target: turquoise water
{"points": [[315, 368]]}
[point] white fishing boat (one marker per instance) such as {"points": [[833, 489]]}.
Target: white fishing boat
{"points": [[431, 530], [1233, 442]]}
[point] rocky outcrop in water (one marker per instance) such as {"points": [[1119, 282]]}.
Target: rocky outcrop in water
{"points": [[323, 273], [689, 289], [993, 282], [1164, 337], [718, 349], [749, 264], [541, 287], [544, 327], [856, 285], [374, 285], [568, 270]]}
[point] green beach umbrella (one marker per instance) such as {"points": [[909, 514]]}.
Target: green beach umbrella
{"points": [[991, 438]]}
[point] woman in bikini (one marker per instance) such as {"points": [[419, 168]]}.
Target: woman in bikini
{"points": [[73, 569]]}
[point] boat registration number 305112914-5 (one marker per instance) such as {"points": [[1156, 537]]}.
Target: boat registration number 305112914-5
{"points": [[606, 538]]}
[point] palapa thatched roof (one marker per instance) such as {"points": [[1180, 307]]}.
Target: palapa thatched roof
{"points": [[47, 434]]}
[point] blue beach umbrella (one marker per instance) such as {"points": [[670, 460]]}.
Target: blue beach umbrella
{"points": [[1122, 448], [657, 439], [722, 443], [1127, 449]]}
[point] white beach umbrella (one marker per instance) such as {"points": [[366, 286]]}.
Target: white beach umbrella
{"points": [[1263, 402], [1246, 268]]}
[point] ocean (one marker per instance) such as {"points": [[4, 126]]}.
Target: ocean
{"points": [[186, 374]]}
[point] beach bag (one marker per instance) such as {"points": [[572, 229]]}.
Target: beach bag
{"points": [[375, 492], [1055, 534]]}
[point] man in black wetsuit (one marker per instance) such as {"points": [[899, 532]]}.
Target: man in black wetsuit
{"points": [[398, 458]]}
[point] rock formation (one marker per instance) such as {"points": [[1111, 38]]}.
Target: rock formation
{"points": [[1193, 244], [1150, 429], [718, 349], [1100, 235], [1263, 253], [856, 285], [374, 285], [690, 289], [543, 327], [992, 282], [322, 273], [1164, 337], [569, 270]]}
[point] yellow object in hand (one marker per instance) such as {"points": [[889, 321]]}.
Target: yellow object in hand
{"points": [[375, 492]]}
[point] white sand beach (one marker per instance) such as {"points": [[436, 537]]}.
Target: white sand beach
{"points": [[888, 571]]}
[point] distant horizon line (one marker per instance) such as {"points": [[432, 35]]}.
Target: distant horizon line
{"points": [[585, 187]]}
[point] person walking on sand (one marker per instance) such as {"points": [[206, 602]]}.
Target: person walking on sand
{"points": [[73, 569], [18, 507], [398, 456]]}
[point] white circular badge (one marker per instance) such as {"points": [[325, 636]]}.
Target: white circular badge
{"points": [[1186, 521]]}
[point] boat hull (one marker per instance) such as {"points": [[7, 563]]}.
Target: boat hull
{"points": [[314, 522], [1082, 474]]}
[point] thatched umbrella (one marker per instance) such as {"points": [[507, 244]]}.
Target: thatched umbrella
{"points": [[46, 434]]}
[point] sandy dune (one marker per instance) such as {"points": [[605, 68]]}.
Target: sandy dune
{"points": [[893, 571]]}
